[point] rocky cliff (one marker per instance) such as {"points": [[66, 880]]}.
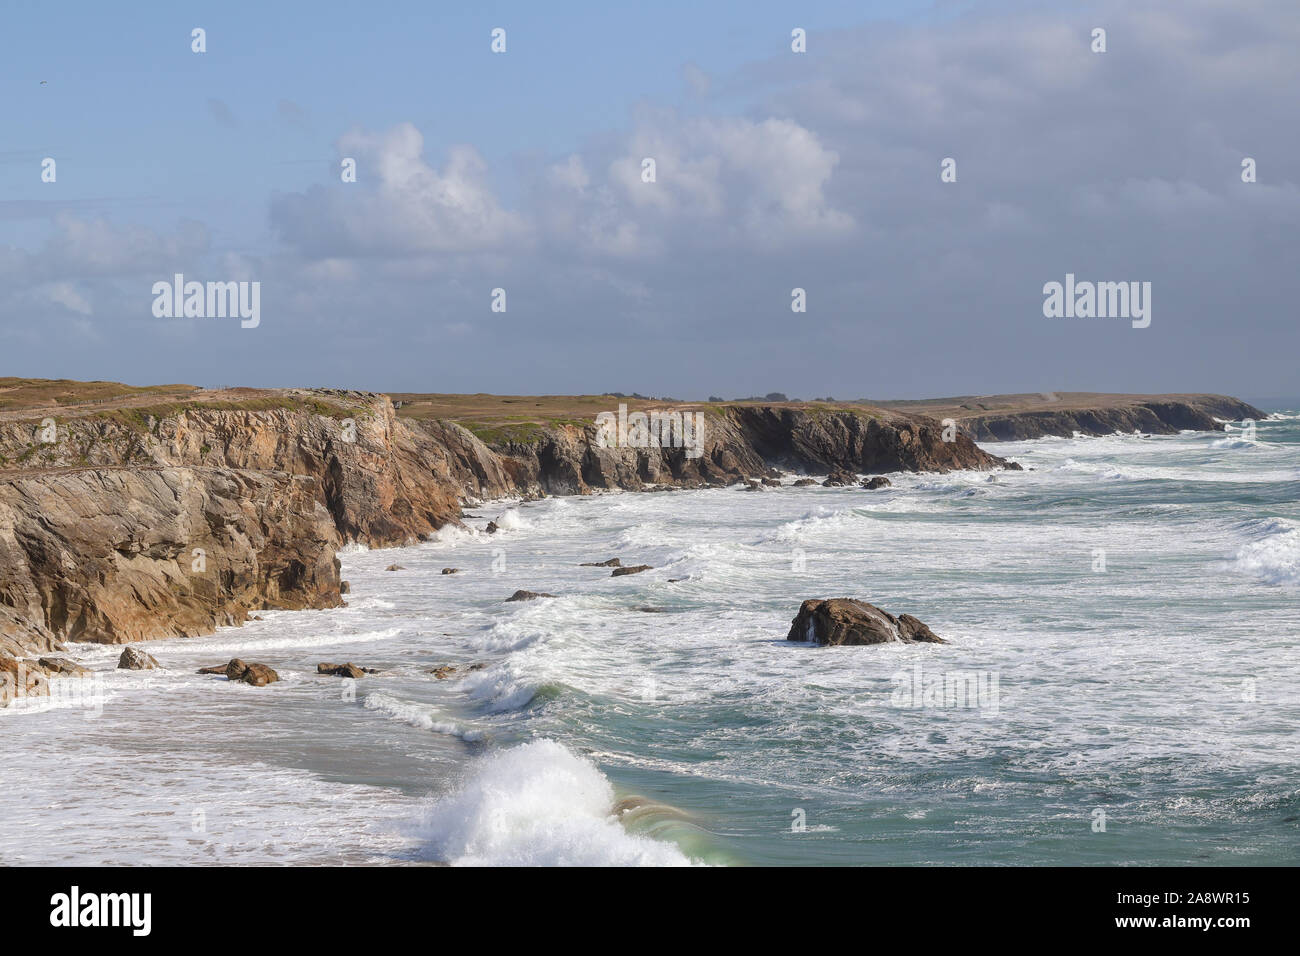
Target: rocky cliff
{"points": [[990, 418], [736, 441]]}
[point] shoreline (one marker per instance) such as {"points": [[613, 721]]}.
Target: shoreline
{"points": [[240, 501]]}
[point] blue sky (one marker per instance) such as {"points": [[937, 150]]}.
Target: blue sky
{"points": [[819, 170]]}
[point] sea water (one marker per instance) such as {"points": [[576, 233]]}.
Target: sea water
{"points": [[1123, 614]]}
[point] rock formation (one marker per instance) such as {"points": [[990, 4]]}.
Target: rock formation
{"points": [[848, 621]]}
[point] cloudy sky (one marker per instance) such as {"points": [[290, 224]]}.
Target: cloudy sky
{"points": [[775, 170]]}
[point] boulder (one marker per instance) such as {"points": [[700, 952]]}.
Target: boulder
{"points": [[491, 527], [257, 675], [394, 567], [876, 481], [341, 670], [772, 482], [838, 478], [848, 621], [345, 587], [214, 669], [611, 563], [451, 570], [530, 595], [803, 482], [134, 659], [631, 569]]}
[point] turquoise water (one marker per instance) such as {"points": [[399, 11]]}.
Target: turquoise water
{"points": [[1124, 612]]}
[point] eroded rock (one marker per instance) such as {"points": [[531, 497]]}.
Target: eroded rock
{"points": [[631, 569], [134, 659], [846, 621]]}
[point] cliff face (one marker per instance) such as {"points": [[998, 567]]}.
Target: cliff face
{"points": [[1022, 417], [737, 441], [114, 555]]}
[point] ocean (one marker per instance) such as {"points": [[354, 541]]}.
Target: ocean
{"points": [[1121, 685]]}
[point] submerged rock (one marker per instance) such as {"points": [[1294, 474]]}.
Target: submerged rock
{"points": [[134, 659], [839, 478], [394, 567], [840, 621], [632, 569], [611, 563], [451, 570], [529, 595], [341, 670]]}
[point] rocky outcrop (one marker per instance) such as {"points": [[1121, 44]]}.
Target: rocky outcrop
{"points": [[874, 482], [134, 659], [256, 675], [848, 621], [115, 555], [629, 569]]}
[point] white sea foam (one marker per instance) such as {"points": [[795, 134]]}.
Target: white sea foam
{"points": [[1274, 557], [538, 804], [418, 715]]}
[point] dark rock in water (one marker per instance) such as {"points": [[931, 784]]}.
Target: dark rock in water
{"points": [[847, 621], [839, 478], [345, 587], [256, 675], [492, 528], [876, 481], [676, 580], [611, 563], [632, 569], [451, 570], [1014, 466], [214, 669], [134, 659], [443, 671], [751, 484], [530, 595], [804, 482], [394, 567], [648, 609], [772, 482], [341, 670], [62, 667]]}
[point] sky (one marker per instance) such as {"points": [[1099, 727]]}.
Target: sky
{"points": [[775, 170]]}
